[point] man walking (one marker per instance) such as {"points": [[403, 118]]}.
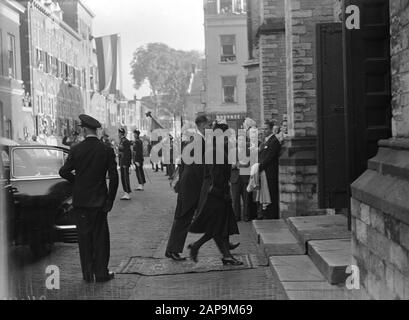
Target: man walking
{"points": [[125, 158], [191, 181], [138, 159], [91, 160]]}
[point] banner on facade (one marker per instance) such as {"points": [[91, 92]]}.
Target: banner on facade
{"points": [[107, 54]]}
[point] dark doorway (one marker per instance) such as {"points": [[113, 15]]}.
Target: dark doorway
{"points": [[367, 83], [333, 183]]}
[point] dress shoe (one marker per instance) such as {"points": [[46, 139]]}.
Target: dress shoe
{"points": [[107, 278], [231, 262], [174, 256], [233, 246], [126, 196], [193, 252]]}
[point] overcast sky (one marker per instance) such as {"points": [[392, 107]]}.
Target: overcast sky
{"points": [[178, 23]]}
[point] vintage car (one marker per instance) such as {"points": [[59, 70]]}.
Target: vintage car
{"points": [[38, 201]]}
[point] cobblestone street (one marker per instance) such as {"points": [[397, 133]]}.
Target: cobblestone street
{"points": [[140, 228]]}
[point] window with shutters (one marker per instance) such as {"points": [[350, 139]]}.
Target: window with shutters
{"points": [[229, 89], [228, 48]]}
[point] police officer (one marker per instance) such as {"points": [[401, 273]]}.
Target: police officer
{"points": [[125, 159], [138, 159], [92, 199]]}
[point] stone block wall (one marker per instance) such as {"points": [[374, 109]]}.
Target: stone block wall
{"points": [[399, 11], [298, 193], [298, 166], [302, 17], [380, 201], [253, 100], [272, 60], [380, 223], [273, 75]]}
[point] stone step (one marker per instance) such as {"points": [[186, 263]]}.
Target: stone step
{"points": [[301, 280], [266, 225], [319, 228], [332, 257], [276, 239]]}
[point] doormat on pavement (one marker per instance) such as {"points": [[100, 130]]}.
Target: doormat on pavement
{"points": [[161, 267]]}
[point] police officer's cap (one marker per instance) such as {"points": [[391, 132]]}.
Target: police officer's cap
{"points": [[121, 131], [89, 122]]}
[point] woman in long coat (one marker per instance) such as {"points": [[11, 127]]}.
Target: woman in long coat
{"points": [[215, 217]]}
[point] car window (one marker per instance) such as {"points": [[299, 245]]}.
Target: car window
{"points": [[37, 162]]}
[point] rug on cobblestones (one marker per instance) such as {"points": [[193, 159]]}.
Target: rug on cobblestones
{"points": [[149, 266]]}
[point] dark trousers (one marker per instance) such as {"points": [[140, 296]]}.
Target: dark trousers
{"points": [[93, 241], [126, 184], [272, 212], [170, 168], [140, 174], [179, 231], [238, 193]]}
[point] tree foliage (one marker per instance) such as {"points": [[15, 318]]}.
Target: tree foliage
{"points": [[167, 71]]}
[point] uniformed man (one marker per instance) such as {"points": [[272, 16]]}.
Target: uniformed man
{"points": [[125, 159], [91, 160], [138, 159]]}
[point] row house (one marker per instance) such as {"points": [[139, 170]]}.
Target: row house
{"points": [[226, 52], [11, 89], [57, 53]]}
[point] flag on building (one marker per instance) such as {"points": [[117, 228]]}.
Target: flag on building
{"points": [[108, 66]]}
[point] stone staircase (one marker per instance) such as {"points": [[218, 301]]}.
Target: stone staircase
{"points": [[309, 256]]}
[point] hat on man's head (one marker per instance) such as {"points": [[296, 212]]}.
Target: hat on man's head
{"points": [[89, 122], [121, 131], [137, 132]]}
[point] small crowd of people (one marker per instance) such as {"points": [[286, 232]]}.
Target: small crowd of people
{"points": [[209, 195]]}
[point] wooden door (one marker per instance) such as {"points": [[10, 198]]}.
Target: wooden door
{"points": [[333, 183], [367, 83]]}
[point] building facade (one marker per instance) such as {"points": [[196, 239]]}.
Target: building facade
{"points": [[56, 55], [13, 119], [380, 202], [226, 52], [347, 113]]}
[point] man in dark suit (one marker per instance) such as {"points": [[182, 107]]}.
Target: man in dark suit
{"points": [[269, 154], [125, 159], [92, 160], [191, 181]]}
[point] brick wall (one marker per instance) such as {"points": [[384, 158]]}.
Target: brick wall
{"points": [[272, 60], [298, 166], [301, 18], [400, 67], [253, 100]]}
